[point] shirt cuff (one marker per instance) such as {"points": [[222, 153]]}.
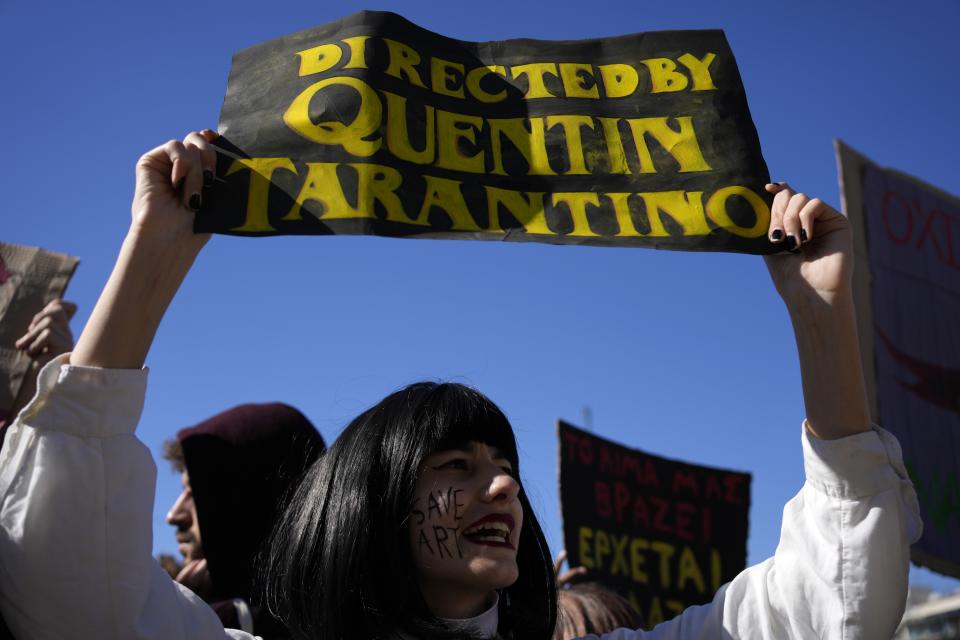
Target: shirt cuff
{"points": [[857, 466], [86, 401]]}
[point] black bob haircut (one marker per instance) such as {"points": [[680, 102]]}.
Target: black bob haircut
{"points": [[338, 565]]}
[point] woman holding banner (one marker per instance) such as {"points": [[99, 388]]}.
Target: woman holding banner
{"points": [[415, 524]]}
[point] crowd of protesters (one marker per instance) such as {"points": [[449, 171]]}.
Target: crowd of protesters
{"points": [[283, 540]]}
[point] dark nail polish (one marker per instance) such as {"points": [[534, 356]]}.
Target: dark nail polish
{"points": [[791, 243], [195, 202], [777, 235], [207, 178], [803, 235]]}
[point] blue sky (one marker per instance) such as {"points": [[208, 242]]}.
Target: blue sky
{"points": [[684, 355]]}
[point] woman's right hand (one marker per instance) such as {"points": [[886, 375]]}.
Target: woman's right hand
{"points": [[156, 255], [170, 184]]}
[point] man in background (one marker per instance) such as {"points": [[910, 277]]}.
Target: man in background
{"points": [[237, 469]]}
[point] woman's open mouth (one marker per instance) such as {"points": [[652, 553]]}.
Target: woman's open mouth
{"points": [[493, 530]]}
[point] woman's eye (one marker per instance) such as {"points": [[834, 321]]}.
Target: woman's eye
{"points": [[456, 463]]}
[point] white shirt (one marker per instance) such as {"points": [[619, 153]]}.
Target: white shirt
{"points": [[76, 505], [483, 625]]}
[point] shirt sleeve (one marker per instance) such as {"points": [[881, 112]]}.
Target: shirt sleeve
{"points": [[76, 502], [840, 569]]}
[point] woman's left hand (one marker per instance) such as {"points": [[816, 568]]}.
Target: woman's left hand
{"points": [[820, 263], [815, 281]]}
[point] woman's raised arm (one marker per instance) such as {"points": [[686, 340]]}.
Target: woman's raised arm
{"points": [[155, 257], [814, 281], [76, 486], [840, 569]]}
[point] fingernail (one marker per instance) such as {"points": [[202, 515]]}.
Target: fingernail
{"points": [[178, 187], [195, 202], [803, 235], [207, 178], [791, 244], [777, 235]]}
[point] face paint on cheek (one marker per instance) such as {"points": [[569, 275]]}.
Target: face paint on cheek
{"points": [[449, 502], [433, 507], [443, 539], [456, 540], [423, 542], [417, 513], [436, 539], [442, 503], [440, 535]]}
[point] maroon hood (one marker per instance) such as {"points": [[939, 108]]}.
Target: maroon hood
{"points": [[242, 464]]}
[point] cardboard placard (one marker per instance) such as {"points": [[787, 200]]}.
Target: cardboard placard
{"points": [[907, 291], [29, 278], [373, 125]]}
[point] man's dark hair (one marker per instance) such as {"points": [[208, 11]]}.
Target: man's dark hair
{"points": [[173, 452], [339, 565]]}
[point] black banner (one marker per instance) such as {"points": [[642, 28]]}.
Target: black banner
{"points": [[664, 534], [372, 125]]}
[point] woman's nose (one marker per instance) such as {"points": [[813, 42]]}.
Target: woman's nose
{"points": [[501, 486]]}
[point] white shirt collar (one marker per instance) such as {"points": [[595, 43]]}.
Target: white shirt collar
{"points": [[484, 625]]}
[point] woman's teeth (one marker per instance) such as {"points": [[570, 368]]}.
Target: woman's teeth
{"points": [[489, 532]]}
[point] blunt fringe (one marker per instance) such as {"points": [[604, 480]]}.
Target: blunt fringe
{"points": [[338, 565]]}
